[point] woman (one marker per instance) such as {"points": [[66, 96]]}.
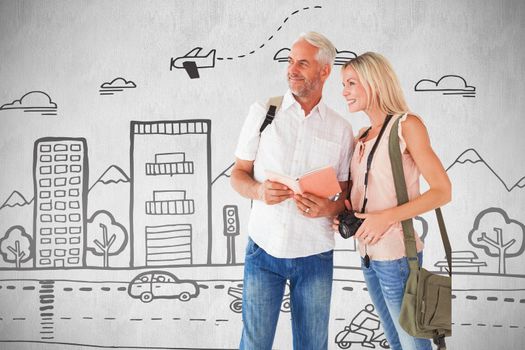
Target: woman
{"points": [[370, 85]]}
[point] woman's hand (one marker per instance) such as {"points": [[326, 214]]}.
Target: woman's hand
{"points": [[335, 221], [374, 226]]}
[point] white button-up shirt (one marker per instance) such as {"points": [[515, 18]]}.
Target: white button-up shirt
{"points": [[293, 144]]}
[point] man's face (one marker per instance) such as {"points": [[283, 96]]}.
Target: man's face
{"points": [[305, 73]]}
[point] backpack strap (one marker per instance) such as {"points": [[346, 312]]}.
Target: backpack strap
{"points": [[273, 104]]}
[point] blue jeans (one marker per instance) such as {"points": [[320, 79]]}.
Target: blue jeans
{"points": [[386, 282], [265, 278]]}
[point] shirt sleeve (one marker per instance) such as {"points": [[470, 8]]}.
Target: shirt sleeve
{"points": [[248, 142], [347, 148]]}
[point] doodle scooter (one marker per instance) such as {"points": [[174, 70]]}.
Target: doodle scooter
{"points": [[363, 329]]}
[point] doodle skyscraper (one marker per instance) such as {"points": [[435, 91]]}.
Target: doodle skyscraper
{"points": [[60, 175]]}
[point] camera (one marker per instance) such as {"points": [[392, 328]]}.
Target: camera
{"points": [[348, 223]]}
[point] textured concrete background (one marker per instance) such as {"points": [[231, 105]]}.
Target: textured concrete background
{"points": [[68, 49]]}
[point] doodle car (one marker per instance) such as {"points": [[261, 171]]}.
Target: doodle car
{"points": [[161, 284]]}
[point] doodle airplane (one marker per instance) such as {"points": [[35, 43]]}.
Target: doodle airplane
{"points": [[192, 61]]}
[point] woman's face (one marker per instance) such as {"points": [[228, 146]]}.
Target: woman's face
{"points": [[354, 92]]}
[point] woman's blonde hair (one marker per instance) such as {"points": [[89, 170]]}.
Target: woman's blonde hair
{"points": [[374, 70]]}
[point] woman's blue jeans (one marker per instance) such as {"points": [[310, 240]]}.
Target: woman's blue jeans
{"points": [[386, 282], [265, 279]]}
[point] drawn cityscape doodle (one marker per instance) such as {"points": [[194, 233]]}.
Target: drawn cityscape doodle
{"points": [[15, 199], [162, 233], [236, 304], [33, 102], [223, 173], [230, 214], [462, 261], [193, 60], [15, 246], [161, 284], [116, 85], [471, 156], [119, 226], [341, 57], [60, 175], [498, 235], [114, 236], [448, 84], [113, 174], [364, 329]]}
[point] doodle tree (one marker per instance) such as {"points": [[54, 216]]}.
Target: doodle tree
{"points": [[105, 236], [498, 235], [15, 246]]}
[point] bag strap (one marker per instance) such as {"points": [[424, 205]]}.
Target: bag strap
{"points": [[274, 104], [402, 197]]}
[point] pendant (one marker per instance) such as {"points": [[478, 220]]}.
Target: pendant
{"points": [[367, 261]]}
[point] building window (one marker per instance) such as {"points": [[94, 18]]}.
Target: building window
{"points": [[74, 251], [74, 205], [75, 180], [60, 181], [60, 252], [45, 253], [60, 240], [60, 148], [44, 170], [75, 230], [74, 217], [45, 262], [74, 240], [45, 218], [60, 169], [60, 218], [46, 206], [45, 182], [76, 168], [60, 205], [73, 261], [60, 230]]}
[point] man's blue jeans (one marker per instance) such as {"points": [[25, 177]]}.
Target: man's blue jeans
{"points": [[386, 282], [310, 291]]}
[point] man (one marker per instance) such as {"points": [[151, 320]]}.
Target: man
{"points": [[291, 238]]}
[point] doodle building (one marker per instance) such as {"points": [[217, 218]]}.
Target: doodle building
{"points": [[170, 193], [60, 176]]}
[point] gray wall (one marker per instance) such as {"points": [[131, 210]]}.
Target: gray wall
{"points": [[61, 104]]}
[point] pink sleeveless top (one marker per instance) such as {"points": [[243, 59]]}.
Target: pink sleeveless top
{"points": [[381, 192]]}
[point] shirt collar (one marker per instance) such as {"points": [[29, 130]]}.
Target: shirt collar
{"points": [[289, 101]]}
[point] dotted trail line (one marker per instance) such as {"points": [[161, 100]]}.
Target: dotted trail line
{"points": [[271, 37]]}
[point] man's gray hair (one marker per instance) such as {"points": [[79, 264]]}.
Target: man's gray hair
{"points": [[327, 51]]}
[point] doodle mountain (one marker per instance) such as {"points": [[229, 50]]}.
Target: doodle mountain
{"points": [[113, 174], [15, 200], [471, 156]]}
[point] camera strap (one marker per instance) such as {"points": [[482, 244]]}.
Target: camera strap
{"points": [[371, 155]]}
